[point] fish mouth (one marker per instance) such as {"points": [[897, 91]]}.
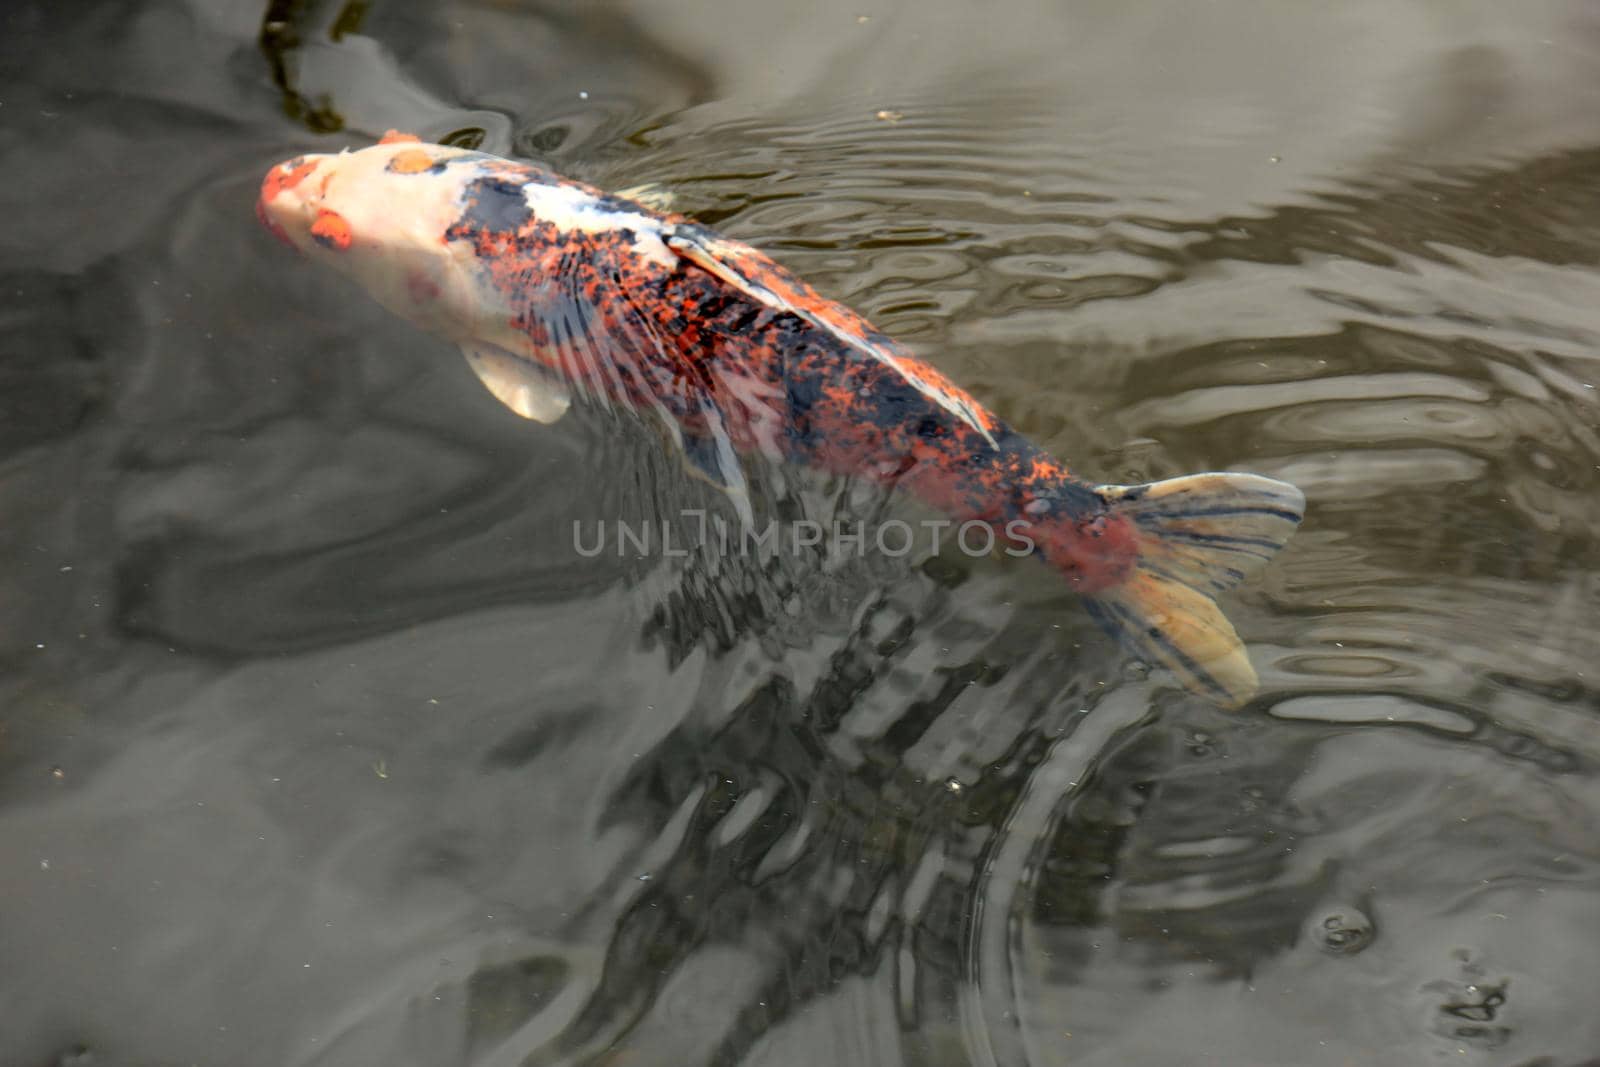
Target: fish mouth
{"points": [[281, 200], [271, 224]]}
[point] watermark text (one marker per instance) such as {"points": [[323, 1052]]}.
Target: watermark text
{"points": [[695, 529]]}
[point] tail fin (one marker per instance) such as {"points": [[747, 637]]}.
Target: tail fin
{"points": [[1197, 536]]}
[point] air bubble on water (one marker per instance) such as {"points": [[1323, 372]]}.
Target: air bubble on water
{"points": [[1343, 931]]}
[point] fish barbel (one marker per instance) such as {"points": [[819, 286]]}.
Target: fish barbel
{"points": [[555, 290]]}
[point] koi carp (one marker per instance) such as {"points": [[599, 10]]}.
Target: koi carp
{"points": [[555, 290]]}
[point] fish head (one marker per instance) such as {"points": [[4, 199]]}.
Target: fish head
{"points": [[381, 216]]}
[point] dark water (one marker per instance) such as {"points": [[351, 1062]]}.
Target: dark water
{"points": [[319, 744]]}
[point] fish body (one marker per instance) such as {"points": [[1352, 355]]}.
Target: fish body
{"points": [[553, 289]]}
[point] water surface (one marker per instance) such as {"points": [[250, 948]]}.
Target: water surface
{"points": [[320, 745]]}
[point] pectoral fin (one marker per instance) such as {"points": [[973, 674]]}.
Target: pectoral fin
{"points": [[712, 458], [532, 391]]}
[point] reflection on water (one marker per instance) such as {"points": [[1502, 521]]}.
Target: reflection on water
{"points": [[320, 745]]}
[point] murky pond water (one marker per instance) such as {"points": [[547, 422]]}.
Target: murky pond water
{"points": [[319, 744]]}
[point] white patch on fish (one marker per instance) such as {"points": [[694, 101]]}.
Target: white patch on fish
{"points": [[575, 210]]}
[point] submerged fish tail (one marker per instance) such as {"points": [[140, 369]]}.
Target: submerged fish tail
{"points": [[1195, 537]]}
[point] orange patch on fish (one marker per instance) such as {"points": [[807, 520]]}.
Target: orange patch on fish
{"points": [[331, 230], [396, 137], [279, 179], [411, 162], [285, 176]]}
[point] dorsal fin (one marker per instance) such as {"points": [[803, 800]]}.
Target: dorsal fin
{"points": [[759, 278]]}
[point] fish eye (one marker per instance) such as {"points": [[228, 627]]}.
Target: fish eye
{"points": [[331, 230]]}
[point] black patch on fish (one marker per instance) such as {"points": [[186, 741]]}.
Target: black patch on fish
{"points": [[897, 402], [1069, 500], [493, 204], [803, 389]]}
